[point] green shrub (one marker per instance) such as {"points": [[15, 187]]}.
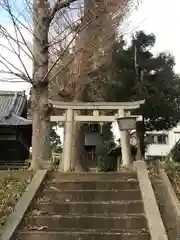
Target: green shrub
{"points": [[175, 152], [106, 161]]}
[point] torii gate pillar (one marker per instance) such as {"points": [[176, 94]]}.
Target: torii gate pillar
{"points": [[67, 152], [125, 143]]}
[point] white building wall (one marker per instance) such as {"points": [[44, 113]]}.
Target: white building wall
{"points": [[155, 149], [164, 149]]}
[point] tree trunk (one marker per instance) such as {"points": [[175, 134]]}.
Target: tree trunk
{"points": [[40, 107], [79, 163], [140, 141], [90, 41], [83, 60], [41, 130]]}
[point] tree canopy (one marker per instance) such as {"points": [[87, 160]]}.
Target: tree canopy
{"points": [[138, 74]]}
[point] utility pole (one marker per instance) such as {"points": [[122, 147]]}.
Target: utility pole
{"points": [[139, 125]]}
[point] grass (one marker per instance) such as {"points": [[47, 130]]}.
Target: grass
{"points": [[173, 171], [175, 181], [11, 189]]}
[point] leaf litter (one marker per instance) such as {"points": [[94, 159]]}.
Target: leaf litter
{"points": [[11, 189]]}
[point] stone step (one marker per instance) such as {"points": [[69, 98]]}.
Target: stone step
{"points": [[124, 221], [82, 235], [88, 195], [106, 208], [92, 185], [93, 176]]}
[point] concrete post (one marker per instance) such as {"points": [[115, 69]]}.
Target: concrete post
{"points": [[68, 140], [118, 163], [125, 148], [125, 143], [61, 156]]}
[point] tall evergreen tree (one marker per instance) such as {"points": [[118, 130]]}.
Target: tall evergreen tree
{"points": [[138, 74]]}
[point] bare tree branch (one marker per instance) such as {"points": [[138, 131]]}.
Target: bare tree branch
{"points": [[60, 4], [20, 75], [66, 65], [67, 47]]}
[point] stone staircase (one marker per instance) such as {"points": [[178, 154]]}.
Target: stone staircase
{"points": [[86, 206]]}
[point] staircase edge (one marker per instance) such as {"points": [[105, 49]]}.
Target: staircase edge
{"points": [[154, 220], [22, 206]]}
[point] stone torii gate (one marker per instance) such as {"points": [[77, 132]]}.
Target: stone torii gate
{"points": [[123, 112]]}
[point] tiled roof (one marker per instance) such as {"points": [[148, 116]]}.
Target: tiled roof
{"points": [[11, 108]]}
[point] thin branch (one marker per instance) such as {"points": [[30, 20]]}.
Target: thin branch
{"points": [[16, 28], [9, 63], [19, 57], [10, 50], [58, 6], [51, 43], [19, 75], [66, 65], [7, 35], [17, 19], [65, 50], [13, 18]]}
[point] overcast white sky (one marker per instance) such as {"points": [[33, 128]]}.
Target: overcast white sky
{"points": [[157, 16], [161, 17]]}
